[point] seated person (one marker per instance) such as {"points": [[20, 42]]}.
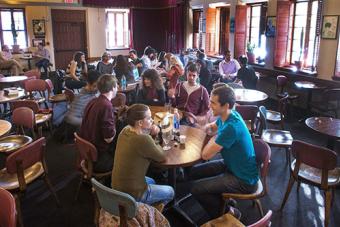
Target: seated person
{"points": [[228, 68], [105, 66], [135, 150], [175, 72], [75, 71], [74, 115], [123, 68], [246, 74], [190, 96], [183, 57], [7, 62], [204, 74], [98, 125], [152, 91], [150, 58], [138, 62], [43, 56], [237, 171]]}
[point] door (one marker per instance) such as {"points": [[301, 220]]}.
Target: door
{"points": [[224, 29], [69, 35]]}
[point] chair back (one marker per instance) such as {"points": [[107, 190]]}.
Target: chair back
{"points": [[49, 85], [8, 209], [87, 151], [263, 120], [35, 85], [314, 156], [281, 82], [263, 222], [235, 85], [33, 73], [115, 202], [27, 156], [26, 103], [23, 117], [263, 154], [332, 95], [248, 113], [119, 100], [69, 95]]}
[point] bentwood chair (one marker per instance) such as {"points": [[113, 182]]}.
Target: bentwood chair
{"points": [[23, 167], [119, 100], [249, 114], [23, 117], [8, 212], [33, 74], [87, 154], [37, 90], [316, 166], [277, 117], [67, 96], [281, 83], [115, 202], [263, 153], [41, 117], [229, 220], [274, 137]]}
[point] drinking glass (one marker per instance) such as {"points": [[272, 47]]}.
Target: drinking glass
{"points": [[167, 136], [168, 107]]}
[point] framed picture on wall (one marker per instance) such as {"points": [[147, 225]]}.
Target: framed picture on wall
{"points": [[329, 27], [36, 42], [39, 28], [271, 26]]}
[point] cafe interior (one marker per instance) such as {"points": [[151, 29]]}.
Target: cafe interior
{"points": [[169, 113]]}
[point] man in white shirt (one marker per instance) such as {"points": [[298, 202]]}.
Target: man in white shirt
{"points": [[228, 68]]}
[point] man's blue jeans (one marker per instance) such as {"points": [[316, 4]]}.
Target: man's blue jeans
{"points": [[157, 193]]}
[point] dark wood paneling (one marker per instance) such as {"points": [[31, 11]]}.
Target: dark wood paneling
{"points": [[224, 29], [240, 30]]}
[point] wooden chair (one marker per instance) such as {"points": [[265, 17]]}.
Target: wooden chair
{"points": [[33, 73], [231, 221], [274, 137], [23, 117], [330, 102], [115, 202], [8, 212], [119, 100], [277, 117], [281, 83], [87, 154], [37, 86], [41, 117], [23, 167], [314, 165], [263, 153], [249, 114], [67, 96]]}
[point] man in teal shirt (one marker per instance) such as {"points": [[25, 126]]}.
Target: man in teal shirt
{"points": [[237, 172]]}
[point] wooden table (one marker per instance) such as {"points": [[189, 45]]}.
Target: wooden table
{"points": [[327, 126], [183, 156], [28, 59], [11, 80], [5, 127], [309, 87], [249, 96], [4, 98]]}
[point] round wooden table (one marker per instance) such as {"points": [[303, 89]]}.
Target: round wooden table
{"points": [[327, 126], [4, 98], [249, 96], [309, 87], [12, 80], [5, 127]]}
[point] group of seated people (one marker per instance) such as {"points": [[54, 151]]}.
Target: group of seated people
{"points": [[7, 62], [129, 150]]}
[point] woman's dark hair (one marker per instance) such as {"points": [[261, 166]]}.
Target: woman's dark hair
{"points": [[243, 60], [122, 65], [106, 83], [135, 113], [154, 77], [77, 57], [92, 76], [225, 95], [192, 68]]}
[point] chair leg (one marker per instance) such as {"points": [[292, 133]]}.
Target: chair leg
{"points": [[259, 206], [20, 222], [96, 208], [328, 200], [224, 203], [78, 187], [298, 187], [289, 188], [50, 187], [287, 156]]}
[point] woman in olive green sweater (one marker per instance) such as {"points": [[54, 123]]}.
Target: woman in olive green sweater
{"points": [[134, 152]]}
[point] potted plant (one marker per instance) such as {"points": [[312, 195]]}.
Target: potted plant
{"points": [[250, 52], [15, 47], [299, 63]]}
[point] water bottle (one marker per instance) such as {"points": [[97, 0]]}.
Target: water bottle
{"points": [[123, 82], [176, 125]]}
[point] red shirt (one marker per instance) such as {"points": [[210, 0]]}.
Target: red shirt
{"points": [[98, 123]]}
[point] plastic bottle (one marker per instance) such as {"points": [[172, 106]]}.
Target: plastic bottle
{"points": [[176, 125], [123, 82]]}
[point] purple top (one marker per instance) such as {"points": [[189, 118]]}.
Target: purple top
{"points": [[229, 68]]}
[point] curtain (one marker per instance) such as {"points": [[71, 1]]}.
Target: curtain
{"points": [[240, 30], [131, 3]]}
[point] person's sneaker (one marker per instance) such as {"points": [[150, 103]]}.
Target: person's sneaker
{"points": [[235, 212]]}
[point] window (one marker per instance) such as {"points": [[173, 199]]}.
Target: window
{"points": [[304, 37], [256, 29], [117, 29], [13, 27], [198, 28]]}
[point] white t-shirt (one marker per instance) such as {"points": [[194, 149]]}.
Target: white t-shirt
{"points": [[189, 88]]}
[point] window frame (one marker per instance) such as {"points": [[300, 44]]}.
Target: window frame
{"points": [[251, 5], [127, 42], [306, 35], [12, 10]]}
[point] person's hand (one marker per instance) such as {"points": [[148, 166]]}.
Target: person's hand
{"points": [[171, 92], [154, 130], [139, 65], [227, 76]]}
